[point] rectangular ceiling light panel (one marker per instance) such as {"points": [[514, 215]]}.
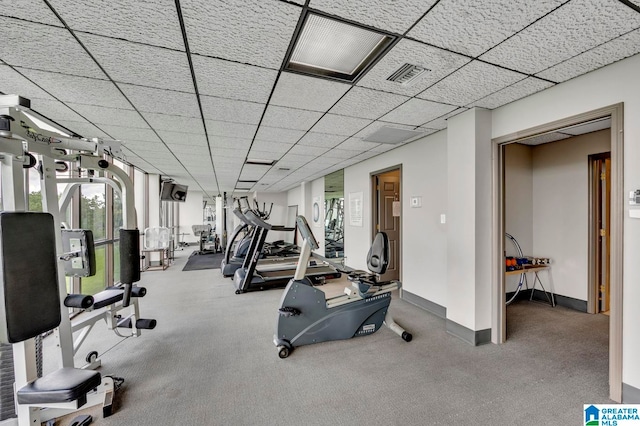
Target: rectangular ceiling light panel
{"points": [[331, 48], [393, 135]]}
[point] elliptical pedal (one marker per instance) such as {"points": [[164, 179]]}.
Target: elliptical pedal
{"points": [[287, 311]]}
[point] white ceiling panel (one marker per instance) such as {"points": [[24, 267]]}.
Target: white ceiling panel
{"points": [[84, 129], [80, 90], [321, 140], [303, 92], [341, 154], [546, 138], [130, 133], [144, 21], [441, 122], [231, 110], [416, 112], [519, 90], [144, 145], [180, 138], [248, 31], [29, 10], [472, 82], [148, 99], [216, 77], [225, 142], [174, 123], [40, 46], [367, 103], [307, 150], [264, 155], [275, 134], [13, 83], [377, 125], [133, 63], [588, 127], [397, 19], [234, 153], [104, 115], [199, 151], [340, 125], [230, 130], [472, 27], [440, 62], [615, 50], [357, 144], [577, 26], [55, 110], [290, 118], [275, 147]]}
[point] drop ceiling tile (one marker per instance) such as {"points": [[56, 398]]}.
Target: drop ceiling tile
{"points": [[104, 115], [174, 123], [133, 63], [180, 138], [341, 154], [367, 103], [254, 169], [144, 21], [81, 90], [307, 150], [197, 150], [269, 146], [225, 79], [233, 153], [377, 125], [378, 14], [230, 130], [44, 47], [471, 27], [357, 144], [304, 92], [29, 10], [545, 138], [227, 142], [290, 118], [55, 110], [248, 31], [231, 110], [146, 146], [340, 125], [130, 133], [13, 83], [279, 135], [578, 26], [441, 122], [417, 111], [147, 99], [264, 155], [615, 50], [440, 63], [83, 128], [321, 140], [521, 89], [472, 82], [383, 147]]}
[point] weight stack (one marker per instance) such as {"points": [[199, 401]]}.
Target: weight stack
{"points": [[7, 377]]}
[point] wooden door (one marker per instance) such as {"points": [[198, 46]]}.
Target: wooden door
{"points": [[388, 218], [602, 209]]}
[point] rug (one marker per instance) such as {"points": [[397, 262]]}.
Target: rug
{"points": [[197, 262]]}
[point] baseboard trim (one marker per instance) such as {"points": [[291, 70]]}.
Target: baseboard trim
{"points": [[465, 334], [565, 301], [630, 394], [427, 305]]}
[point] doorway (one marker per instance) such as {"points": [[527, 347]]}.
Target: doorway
{"points": [[386, 211], [599, 233], [613, 113]]}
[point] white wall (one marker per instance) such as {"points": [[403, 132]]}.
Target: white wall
{"points": [[561, 215], [278, 213], [317, 193], [607, 86], [424, 240], [190, 214]]}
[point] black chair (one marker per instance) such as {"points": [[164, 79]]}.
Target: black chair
{"points": [[29, 281]]}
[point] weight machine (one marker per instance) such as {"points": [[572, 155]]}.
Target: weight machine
{"points": [[27, 139]]}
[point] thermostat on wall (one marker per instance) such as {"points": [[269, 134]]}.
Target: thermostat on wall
{"points": [[416, 202]]}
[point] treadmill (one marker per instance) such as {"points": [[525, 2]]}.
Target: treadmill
{"points": [[270, 273], [234, 258]]}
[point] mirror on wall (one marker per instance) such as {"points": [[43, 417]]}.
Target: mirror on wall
{"points": [[334, 215]]}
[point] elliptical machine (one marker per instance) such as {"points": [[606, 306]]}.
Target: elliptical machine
{"points": [[306, 316]]}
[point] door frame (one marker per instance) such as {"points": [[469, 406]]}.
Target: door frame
{"points": [[374, 209], [499, 316]]}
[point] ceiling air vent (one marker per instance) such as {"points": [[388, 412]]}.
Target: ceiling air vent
{"points": [[407, 74]]}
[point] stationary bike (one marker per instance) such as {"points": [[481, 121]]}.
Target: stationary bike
{"points": [[306, 316]]}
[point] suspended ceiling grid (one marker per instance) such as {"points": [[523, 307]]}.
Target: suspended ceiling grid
{"points": [[195, 87]]}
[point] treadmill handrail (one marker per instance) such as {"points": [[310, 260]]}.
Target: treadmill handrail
{"points": [[256, 221]]}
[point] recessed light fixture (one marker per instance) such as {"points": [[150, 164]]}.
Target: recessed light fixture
{"points": [[260, 162], [331, 48], [393, 135], [247, 181]]}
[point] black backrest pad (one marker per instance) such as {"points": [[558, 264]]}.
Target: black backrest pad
{"points": [[378, 256], [129, 256], [29, 278]]}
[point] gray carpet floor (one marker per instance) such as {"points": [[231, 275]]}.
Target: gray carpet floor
{"points": [[211, 361]]}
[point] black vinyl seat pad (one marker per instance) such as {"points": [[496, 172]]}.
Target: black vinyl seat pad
{"points": [[63, 385]]}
